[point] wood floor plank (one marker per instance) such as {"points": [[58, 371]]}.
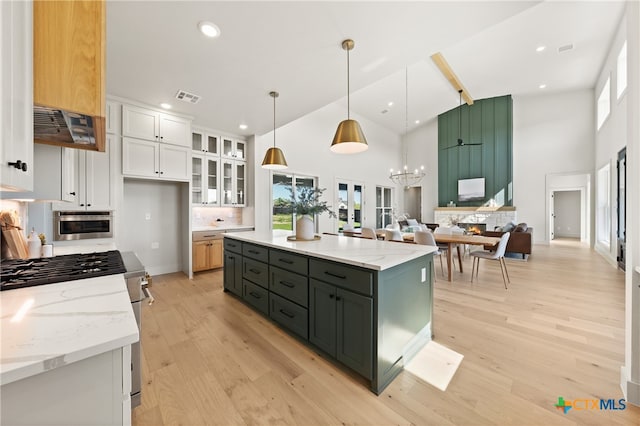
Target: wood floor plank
{"points": [[557, 331]]}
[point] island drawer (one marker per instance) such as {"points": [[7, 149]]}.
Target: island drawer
{"points": [[256, 252], [289, 261], [233, 245], [289, 285], [353, 279], [256, 296], [289, 315], [256, 272]]}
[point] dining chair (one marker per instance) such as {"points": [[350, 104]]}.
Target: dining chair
{"points": [[369, 233], [426, 238], [393, 235], [495, 255]]}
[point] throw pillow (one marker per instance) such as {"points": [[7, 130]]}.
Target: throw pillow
{"points": [[508, 227], [522, 227], [403, 224]]}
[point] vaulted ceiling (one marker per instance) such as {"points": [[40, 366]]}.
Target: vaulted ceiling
{"points": [[155, 49]]}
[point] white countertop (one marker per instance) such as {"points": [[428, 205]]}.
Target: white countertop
{"points": [[370, 254], [222, 227], [66, 322]]}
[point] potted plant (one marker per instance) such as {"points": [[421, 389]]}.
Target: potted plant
{"points": [[306, 205]]}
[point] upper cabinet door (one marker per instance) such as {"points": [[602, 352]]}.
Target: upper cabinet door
{"points": [[174, 130], [16, 94], [69, 55], [140, 123], [232, 148]]}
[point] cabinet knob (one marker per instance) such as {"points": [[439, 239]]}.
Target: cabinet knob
{"points": [[88, 205], [81, 205], [331, 296], [157, 172], [19, 165], [161, 137], [73, 193], [161, 173]]}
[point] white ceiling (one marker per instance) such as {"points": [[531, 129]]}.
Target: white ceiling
{"points": [[154, 49]]}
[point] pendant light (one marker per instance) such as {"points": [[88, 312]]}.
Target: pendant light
{"points": [[403, 176], [274, 158], [349, 138]]}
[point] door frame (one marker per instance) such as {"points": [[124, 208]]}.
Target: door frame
{"points": [[570, 182], [350, 208]]}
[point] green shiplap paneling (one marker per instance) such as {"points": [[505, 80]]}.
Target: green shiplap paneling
{"points": [[487, 121]]}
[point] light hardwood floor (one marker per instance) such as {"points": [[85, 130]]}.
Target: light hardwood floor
{"points": [[557, 331]]}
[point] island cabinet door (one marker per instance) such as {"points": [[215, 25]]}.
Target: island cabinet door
{"points": [[322, 316], [354, 331], [233, 273]]}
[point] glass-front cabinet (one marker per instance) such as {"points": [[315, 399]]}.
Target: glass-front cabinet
{"points": [[234, 183], [205, 182], [203, 141], [232, 148]]}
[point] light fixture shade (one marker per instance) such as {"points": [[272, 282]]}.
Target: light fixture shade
{"points": [[349, 138], [274, 159]]}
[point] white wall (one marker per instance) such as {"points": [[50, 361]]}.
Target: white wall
{"points": [[305, 143], [552, 134], [567, 210], [163, 202]]}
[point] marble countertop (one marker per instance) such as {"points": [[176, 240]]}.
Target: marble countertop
{"points": [[63, 323], [370, 254], [222, 227]]}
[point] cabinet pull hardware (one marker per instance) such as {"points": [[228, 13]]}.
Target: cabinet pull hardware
{"points": [[161, 173], [72, 193], [253, 251], [88, 205], [338, 298], [331, 296], [331, 274], [287, 261], [286, 314], [156, 172], [256, 295], [81, 205], [255, 271], [19, 165], [287, 284]]}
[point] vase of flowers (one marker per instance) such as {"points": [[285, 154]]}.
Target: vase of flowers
{"points": [[306, 205]]}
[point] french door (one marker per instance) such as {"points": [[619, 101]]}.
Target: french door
{"points": [[281, 189], [349, 200]]}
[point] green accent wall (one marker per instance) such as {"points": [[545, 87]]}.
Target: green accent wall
{"points": [[487, 121]]}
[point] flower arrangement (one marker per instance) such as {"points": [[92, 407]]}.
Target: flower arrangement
{"points": [[307, 202]]}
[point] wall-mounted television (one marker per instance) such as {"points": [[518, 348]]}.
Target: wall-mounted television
{"points": [[471, 189]]}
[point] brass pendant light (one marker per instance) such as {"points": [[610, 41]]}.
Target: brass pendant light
{"points": [[349, 138], [274, 158]]}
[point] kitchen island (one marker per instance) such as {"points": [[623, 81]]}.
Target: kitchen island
{"points": [[66, 353], [367, 304]]}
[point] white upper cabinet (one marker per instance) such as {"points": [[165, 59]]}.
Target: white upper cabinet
{"points": [[113, 117], [16, 96], [205, 180], [152, 125], [234, 183], [203, 141], [233, 148], [141, 158]]}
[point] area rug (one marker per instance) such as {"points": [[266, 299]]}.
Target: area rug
{"points": [[435, 364]]}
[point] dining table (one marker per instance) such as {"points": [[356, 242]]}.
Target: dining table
{"points": [[456, 240]]}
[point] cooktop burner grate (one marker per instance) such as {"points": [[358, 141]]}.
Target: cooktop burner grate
{"points": [[32, 272]]}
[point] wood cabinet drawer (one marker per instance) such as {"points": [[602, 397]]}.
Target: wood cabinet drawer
{"points": [[233, 245], [255, 252], [289, 285], [256, 296], [353, 279], [289, 261], [289, 315], [256, 272]]}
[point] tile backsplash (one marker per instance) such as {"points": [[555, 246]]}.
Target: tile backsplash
{"points": [[206, 216]]}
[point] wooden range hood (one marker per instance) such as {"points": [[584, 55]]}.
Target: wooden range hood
{"points": [[69, 73]]}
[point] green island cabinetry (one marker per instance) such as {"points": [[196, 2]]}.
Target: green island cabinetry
{"points": [[366, 304]]}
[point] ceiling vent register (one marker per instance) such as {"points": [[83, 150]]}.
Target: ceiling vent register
{"points": [[185, 96]]}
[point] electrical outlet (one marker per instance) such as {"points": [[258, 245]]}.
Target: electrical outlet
{"points": [[155, 245], [147, 216]]}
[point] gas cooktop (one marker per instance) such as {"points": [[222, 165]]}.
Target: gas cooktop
{"points": [[48, 270]]}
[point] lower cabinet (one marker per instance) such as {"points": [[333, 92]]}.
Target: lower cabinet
{"points": [[207, 254], [341, 324], [233, 273], [256, 296], [289, 315]]}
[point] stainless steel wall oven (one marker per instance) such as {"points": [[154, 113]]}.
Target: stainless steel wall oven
{"points": [[68, 225]]}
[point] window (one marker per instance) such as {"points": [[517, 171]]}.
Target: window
{"points": [[282, 184], [603, 211], [384, 214], [621, 69], [604, 104]]}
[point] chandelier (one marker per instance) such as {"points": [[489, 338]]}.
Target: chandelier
{"points": [[403, 176]]}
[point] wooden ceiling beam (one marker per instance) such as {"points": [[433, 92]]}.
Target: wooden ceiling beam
{"points": [[451, 76]]}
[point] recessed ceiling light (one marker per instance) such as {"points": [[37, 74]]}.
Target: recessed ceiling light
{"points": [[209, 29], [243, 126], [165, 105], [390, 103], [417, 121], [542, 86], [540, 48]]}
